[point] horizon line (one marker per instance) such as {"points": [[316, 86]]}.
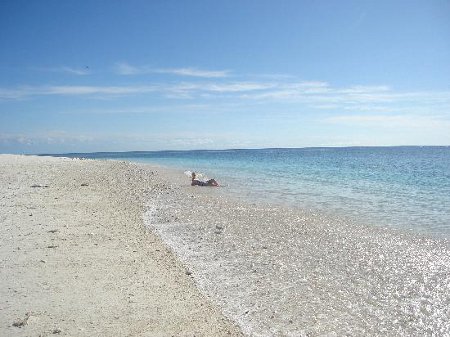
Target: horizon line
{"points": [[235, 149]]}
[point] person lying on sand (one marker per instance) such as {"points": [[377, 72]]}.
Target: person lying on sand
{"points": [[196, 182]]}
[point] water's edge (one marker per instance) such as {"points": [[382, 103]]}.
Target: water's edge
{"points": [[290, 272], [400, 187]]}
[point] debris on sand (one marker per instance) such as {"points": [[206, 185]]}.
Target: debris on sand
{"points": [[21, 322], [39, 185]]}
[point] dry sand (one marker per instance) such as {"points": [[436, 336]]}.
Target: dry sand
{"points": [[77, 260]]}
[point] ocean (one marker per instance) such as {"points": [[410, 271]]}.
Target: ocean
{"points": [[406, 188]]}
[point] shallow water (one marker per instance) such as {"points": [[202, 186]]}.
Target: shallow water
{"points": [[401, 187], [286, 272]]}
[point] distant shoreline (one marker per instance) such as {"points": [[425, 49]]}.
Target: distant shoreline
{"points": [[70, 154]]}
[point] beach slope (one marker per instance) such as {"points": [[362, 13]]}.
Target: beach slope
{"points": [[76, 259]]}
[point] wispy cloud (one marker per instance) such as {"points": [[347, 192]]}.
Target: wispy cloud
{"points": [[193, 72], [176, 108], [290, 91], [391, 121], [236, 87], [7, 94], [377, 101], [50, 137], [317, 95], [181, 90], [68, 90], [76, 71], [61, 141], [68, 70], [94, 90], [124, 68]]}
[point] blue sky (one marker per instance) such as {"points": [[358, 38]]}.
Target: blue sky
{"points": [[82, 76]]}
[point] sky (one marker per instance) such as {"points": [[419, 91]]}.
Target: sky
{"points": [[88, 76]]}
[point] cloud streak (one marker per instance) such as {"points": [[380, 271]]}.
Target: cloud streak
{"points": [[76, 71], [392, 121], [58, 141], [142, 110], [69, 90], [124, 68], [193, 72], [68, 70], [320, 96], [51, 137], [174, 90]]}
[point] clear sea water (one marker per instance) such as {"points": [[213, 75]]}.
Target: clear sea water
{"points": [[401, 187]]}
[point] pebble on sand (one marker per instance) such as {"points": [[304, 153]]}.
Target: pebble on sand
{"points": [[22, 322]]}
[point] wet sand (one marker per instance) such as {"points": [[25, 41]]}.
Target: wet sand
{"points": [[77, 260], [291, 272]]}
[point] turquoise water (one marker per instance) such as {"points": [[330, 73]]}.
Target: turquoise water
{"points": [[402, 187]]}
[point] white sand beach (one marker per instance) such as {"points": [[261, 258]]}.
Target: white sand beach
{"points": [[109, 248], [77, 260]]}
